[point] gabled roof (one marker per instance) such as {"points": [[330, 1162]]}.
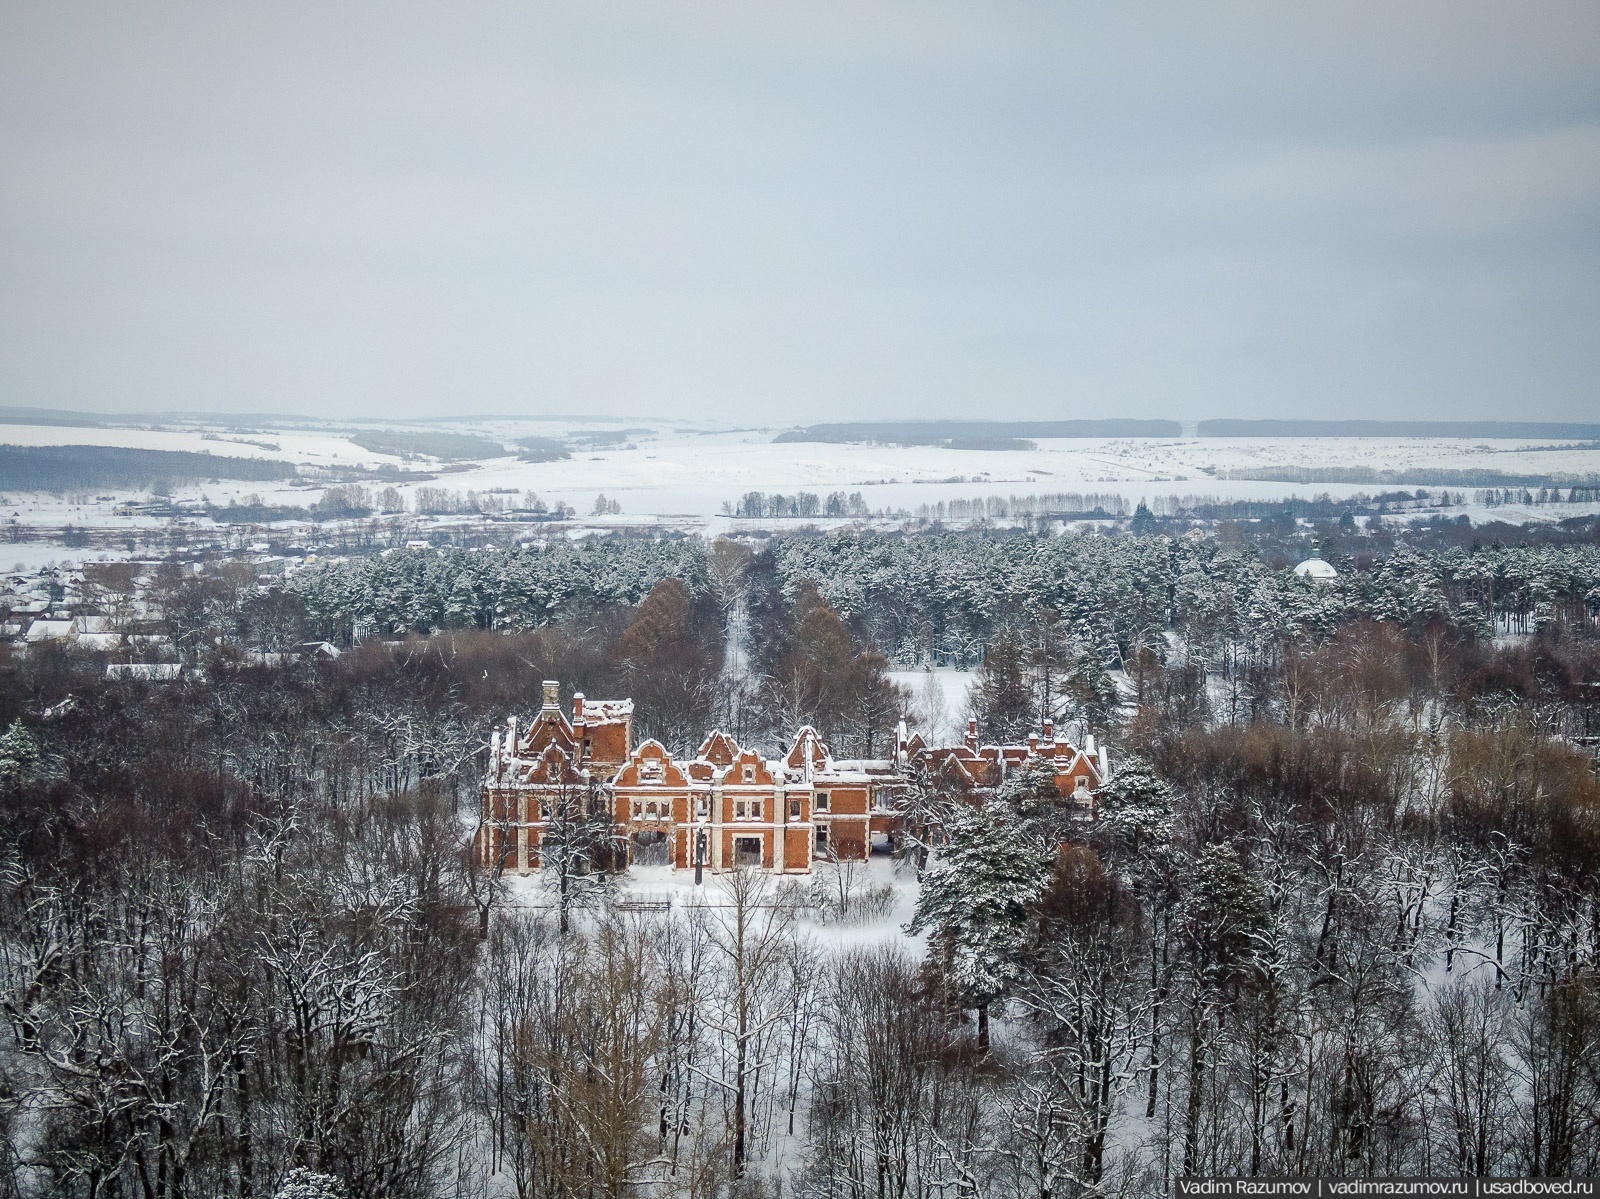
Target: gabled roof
{"points": [[719, 749], [1072, 765], [549, 727], [960, 762], [982, 767], [808, 750], [963, 764], [99, 641], [552, 765]]}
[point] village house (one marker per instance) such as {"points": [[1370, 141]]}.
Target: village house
{"points": [[728, 805]]}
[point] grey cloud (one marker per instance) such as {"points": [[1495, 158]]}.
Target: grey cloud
{"points": [[1539, 183], [738, 211]]}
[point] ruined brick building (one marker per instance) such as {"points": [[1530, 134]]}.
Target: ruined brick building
{"points": [[728, 805]]}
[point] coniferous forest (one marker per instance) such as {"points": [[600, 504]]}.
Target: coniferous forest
{"points": [[1337, 911]]}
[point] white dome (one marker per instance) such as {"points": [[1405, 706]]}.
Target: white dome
{"points": [[1316, 568]]}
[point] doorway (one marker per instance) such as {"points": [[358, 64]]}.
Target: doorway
{"points": [[652, 848]]}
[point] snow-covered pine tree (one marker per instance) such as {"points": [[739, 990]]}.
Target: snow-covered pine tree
{"points": [[978, 900], [1094, 694], [922, 804], [1223, 926], [19, 754], [301, 1183], [1135, 803], [1000, 696], [1029, 792]]}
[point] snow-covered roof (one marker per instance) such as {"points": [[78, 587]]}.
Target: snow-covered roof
{"points": [[99, 641], [144, 670], [1316, 568], [606, 709], [49, 630], [873, 766]]}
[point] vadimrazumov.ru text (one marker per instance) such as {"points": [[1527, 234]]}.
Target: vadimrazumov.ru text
{"points": [[1331, 1188]]}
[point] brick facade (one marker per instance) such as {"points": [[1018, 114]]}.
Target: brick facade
{"points": [[728, 805]]}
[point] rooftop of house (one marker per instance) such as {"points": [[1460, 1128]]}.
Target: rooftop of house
{"points": [[596, 743]]}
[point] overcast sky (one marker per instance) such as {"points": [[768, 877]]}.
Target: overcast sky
{"points": [[755, 211]]}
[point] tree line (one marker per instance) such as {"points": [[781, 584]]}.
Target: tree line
{"points": [[942, 596]]}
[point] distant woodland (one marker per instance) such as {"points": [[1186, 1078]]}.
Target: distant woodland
{"points": [[60, 468], [448, 446]]}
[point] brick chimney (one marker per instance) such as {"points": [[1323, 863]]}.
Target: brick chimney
{"points": [[1049, 731], [1033, 744], [552, 693], [972, 734], [577, 707]]}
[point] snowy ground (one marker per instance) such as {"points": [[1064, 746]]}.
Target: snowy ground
{"points": [[938, 699], [660, 888], [29, 557], [680, 476]]}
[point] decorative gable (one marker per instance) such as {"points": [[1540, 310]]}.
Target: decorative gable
{"points": [[651, 766], [549, 728], [719, 749], [552, 767], [1081, 764], [808, 750], [749, 769]]}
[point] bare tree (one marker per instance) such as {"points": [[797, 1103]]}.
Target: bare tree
{"points": [[749, 926], [580, 845]]}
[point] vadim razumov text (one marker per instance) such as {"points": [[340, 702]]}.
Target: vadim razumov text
{"points": [[1332, 1188]]}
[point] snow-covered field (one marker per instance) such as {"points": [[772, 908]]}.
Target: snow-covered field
{"points": [[681, 476], [277, 445]]}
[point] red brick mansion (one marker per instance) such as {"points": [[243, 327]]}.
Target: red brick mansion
{"points": [[728, 805]]}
